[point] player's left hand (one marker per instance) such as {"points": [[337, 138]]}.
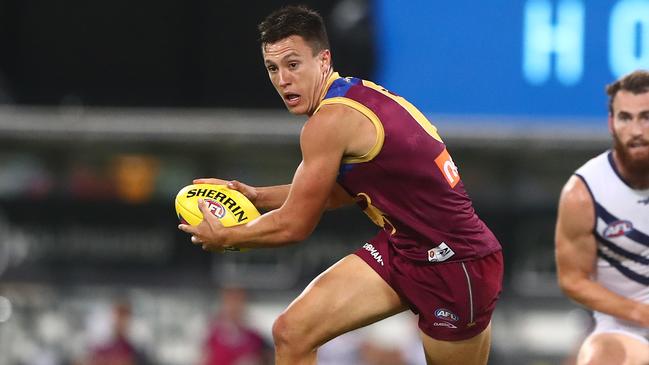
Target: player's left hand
{"points": [[209, 234]]}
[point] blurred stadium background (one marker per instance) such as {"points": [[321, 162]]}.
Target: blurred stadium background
{"points": [[108, 108]]}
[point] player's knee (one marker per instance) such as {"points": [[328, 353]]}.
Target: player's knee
{"points": [[286, 332], [602, 350], [602, 359], [280, 331], [292, 336]]}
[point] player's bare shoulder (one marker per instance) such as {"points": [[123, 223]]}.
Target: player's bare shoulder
{"points": [[326, 125], [575, 192], [576, 207], [351, 127]]}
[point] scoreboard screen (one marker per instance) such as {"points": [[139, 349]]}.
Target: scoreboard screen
{"points": [[535, 58]]}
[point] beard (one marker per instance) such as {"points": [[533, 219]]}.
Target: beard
{"points": [[636, 165]]}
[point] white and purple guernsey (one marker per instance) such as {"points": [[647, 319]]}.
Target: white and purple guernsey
{"points": [[622, 234]]}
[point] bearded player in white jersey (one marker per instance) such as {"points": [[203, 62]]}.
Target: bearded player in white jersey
{"points": [[602, 233]]}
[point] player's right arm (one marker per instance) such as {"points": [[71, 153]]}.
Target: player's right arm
{"points": [[273, 197], [576, 257]]}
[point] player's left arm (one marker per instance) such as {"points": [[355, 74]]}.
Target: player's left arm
{"points": [[323, 141]]}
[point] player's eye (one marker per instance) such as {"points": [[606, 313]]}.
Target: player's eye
{"points": [[292, 65], [271, 68]]}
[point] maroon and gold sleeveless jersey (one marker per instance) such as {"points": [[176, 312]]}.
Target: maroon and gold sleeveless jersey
{"points": [[408, 183]]}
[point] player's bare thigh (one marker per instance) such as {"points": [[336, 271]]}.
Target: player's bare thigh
{"points": [[613, 348], [473, 351], [346, 296]]}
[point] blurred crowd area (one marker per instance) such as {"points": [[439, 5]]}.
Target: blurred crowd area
{"points": [[129, 178], [90, 326]]}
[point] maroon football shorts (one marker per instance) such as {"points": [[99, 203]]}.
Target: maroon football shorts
{"points": [[454, 300]]}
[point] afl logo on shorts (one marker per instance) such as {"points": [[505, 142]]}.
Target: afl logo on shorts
{"points": [[446, 315], [216, 208], [617, 229], [440, 253]]}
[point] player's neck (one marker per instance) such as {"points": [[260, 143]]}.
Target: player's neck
{"points": [[322, 90]]}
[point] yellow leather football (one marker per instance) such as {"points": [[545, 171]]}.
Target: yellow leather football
{"points": [[230, 206]]}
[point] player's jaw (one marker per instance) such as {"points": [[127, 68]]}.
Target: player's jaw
{"points": [[633, 154]]}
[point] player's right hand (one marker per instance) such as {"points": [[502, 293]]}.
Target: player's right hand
{"points": [[247, 190]]}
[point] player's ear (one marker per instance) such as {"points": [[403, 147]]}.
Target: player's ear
{"points": [[610, 123], [325, 59]]}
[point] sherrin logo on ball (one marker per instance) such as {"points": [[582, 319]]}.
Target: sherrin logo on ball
{"points": [[230, 206]]}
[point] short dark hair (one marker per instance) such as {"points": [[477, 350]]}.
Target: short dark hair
{"points": [[637, 82], [295, 20]]}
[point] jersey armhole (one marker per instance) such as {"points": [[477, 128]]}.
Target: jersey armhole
{"points": [[592, 197], [367, 112]]}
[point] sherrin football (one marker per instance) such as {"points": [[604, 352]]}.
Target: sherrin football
{"points": [[230, 206]]}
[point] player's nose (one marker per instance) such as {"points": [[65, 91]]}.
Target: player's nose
{"points": [[638, 127], [284, 77]]}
